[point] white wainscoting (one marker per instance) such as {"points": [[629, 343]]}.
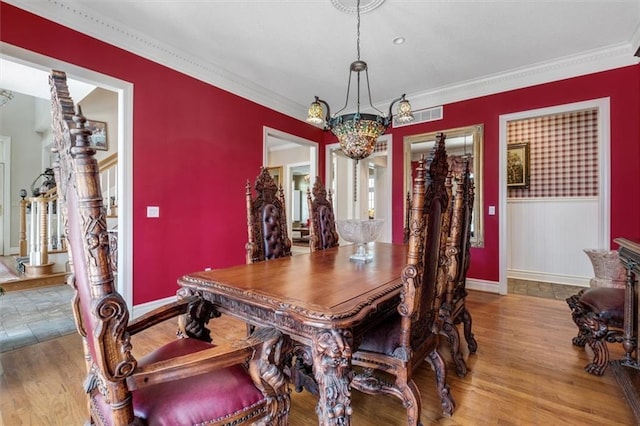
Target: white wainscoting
{"points": [[546, 236]]}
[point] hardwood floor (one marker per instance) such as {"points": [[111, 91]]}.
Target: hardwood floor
{"points": [[526, 372]]}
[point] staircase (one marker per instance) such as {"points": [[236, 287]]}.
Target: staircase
{"points": [[42, 259]]}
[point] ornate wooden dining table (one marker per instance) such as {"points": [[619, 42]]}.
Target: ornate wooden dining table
{"points": [[322, 300]]}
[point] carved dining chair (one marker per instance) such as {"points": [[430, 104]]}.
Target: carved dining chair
{"points": [[322, 229], [598, 312], [266, 220], [458, 260], [400, 344], [187, 381]]}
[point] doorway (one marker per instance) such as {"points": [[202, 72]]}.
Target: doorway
{"points": [[594, 223], [124, 91], [297, 159], [362, 189]]}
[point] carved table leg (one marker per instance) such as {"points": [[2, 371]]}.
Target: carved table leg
{"points": [[331, 351]]}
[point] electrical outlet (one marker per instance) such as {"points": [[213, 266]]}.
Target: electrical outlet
{"points": [[492, 210]]}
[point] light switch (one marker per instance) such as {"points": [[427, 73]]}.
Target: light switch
{"points": [[153, 211], [492, 210]]}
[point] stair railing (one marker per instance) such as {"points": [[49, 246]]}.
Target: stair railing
{"points": [[44, 231], [41, 231]]}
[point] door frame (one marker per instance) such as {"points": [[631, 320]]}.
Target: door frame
{"points": [[604, 172], [124, 89], [6, 196]]}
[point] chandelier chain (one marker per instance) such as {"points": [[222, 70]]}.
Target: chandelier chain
{"points": [[358, 132], [358, 28]]}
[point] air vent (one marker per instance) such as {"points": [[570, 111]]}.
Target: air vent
{"points": [[422, 116]]}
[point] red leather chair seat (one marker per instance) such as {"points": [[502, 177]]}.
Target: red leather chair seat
{"points": [[607, 302], [193, 400]]}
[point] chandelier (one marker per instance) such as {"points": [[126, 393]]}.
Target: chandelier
{"points": [[358, 132], [5, 96]]}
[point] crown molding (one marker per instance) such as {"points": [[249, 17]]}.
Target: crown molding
{"points": [[85, 21], [568, 67], [74, 16]]}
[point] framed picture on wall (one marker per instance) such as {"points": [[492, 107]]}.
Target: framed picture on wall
{"points": [[99, 138], [277, 174], [518, 165]]}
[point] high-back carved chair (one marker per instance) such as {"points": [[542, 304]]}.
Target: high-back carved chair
{"points": [[458, 260], [266, 220], [401, 343], [322, 229], [187, 381]]}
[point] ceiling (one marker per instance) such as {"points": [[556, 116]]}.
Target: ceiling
{"points": [[21, 78], [282, 53]]}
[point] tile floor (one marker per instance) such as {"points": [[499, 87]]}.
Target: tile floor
{"points": [[32, 316], [539, 289]]}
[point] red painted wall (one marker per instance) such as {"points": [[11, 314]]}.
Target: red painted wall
{"points": [[192, 155], [621, 85]]}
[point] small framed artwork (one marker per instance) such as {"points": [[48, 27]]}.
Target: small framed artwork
{"points": [[518, 165], [99, 138], [277, 174]]}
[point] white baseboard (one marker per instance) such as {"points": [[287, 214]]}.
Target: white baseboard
{"points": [[139, 310], [483, 285], [548, 278]]}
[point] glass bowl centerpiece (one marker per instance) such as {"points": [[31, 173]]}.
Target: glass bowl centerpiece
{"points": [[360, 232]]}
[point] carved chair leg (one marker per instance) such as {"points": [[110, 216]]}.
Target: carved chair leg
{"points": [[577, 314], [451, 332], [438, 365], [412, 401], [581, 339], [596, 331], [472, 344], [600, 357]]}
